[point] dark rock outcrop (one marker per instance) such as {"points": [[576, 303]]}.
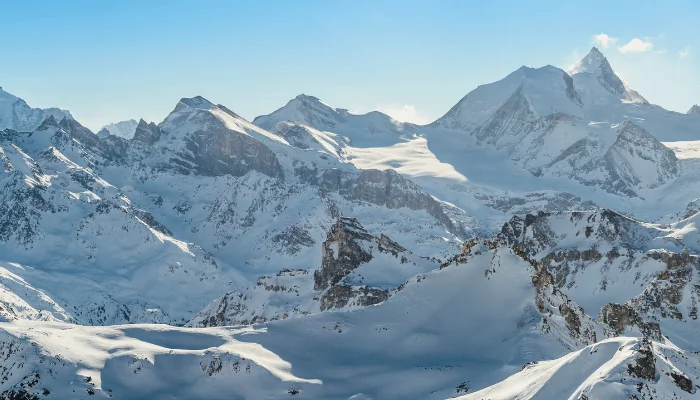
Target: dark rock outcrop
{"points": [[384, 188], [342, 253], [146, 133]]}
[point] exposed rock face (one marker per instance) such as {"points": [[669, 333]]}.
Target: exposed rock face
{"points": [[146, 133], [634, 146], [644, 365], [385, 188], [621, 317], [202, 142], [273, 297], [341, 296], [342, 253], [79, 132], [530, 203]]}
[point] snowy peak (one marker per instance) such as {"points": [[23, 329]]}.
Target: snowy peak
{"points": [[305, 109], [16, 114], [694, 110], [211, 140], [595, 64], [146, 133], [590, 63], [547, 90]]}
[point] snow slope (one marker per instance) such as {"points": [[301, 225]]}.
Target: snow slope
{"points": [[620, 368], [16, 114]]}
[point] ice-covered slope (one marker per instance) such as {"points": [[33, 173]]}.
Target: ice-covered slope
{"points": [[694, 110], [17, 115], [361, 130], [614, 369], [595, 65], [548, 90], [123, 129]]}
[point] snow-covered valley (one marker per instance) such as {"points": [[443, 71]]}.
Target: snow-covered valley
{"points": [[540, 240]]}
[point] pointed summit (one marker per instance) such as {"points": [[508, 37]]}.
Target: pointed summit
{"points": [[595, 65], [593, 61], [49, 122], [694, 110], [146, 133]]}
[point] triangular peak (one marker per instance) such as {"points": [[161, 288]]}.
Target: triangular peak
{"points": [[591, 63]]}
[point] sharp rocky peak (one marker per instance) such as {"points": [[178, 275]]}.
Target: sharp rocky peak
{"points": [[146, 133], [694, 110]]}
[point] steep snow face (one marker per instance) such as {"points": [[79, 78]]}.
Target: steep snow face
{"points": [[209, 140], [595, 65], [307, 138], [621, 159], [359, 130], [17, 115], [634, 161], [620, 368], [544, 91], [122, 129], [694, 110]]}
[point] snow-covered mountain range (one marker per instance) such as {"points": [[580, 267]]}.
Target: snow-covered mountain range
{"points": [[498, 252]]}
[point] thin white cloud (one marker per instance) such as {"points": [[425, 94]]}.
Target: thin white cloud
{"points": [[684, 53], [603, 40], [404, 113], [636, 45]]}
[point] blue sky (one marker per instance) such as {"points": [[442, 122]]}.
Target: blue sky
{"points": [[107, 61]]}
